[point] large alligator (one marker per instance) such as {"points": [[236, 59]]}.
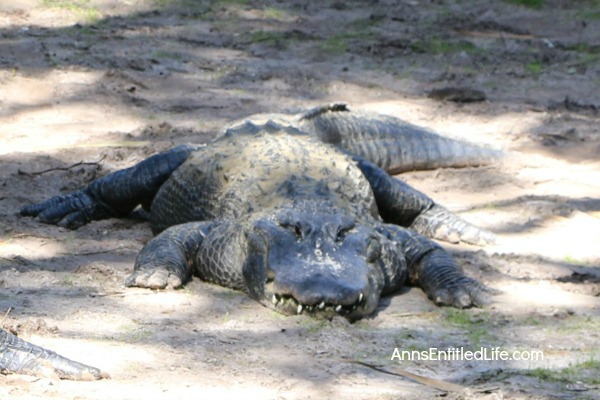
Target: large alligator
{"points": [[20, 357], [297, 211]]}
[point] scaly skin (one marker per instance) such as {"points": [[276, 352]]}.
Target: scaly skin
{"points": [[20, 357], [393, 144], [300, 225]]}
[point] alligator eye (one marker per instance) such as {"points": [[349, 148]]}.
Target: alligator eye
{"points": [[341, 234], [373, 249], [343, 228], [294, 228]]}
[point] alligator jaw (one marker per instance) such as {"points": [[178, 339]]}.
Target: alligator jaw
{"points": [[286, 304]]}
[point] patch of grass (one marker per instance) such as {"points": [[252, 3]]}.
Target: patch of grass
{"points": [[440, 46], [533, 321], [268, 37], [479, 331], [165, 54], [534, 67], [67, 281], [586, 54], [197, 3], [589, 14], [334, 45], [578, 323], [358, 30], [198, 9], [231, 2], [274, 13], [82, 8], [569, 259], [537, 4], [164, 3], [314, 325], [586, 371], [278, 39], [457, 317], [132, 333], [360, 25]]}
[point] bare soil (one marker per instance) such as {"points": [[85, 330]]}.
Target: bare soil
{"points": [[91, 86]]}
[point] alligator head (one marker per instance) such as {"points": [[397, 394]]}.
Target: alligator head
{"points": [[319, 262]]}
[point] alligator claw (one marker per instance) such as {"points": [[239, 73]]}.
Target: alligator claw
{"points": [[155, 278], [468, 293], [70, 211]]}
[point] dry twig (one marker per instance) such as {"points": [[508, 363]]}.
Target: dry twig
{"points": [[80, 163]]}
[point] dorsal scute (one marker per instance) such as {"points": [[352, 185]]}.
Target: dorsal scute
{"points": [[261, 123]]}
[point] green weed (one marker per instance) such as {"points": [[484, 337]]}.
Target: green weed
{"points": [[527, 3], [269, 37], [334, 45], [82, 8], [586, 371], [440, 46], [589, 14], [274, 13], [315, 325], [164, 54], [534, 67], [476, 325], [358, 30]]}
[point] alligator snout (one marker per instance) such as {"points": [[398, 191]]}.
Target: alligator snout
{"points": [[317, 263]]}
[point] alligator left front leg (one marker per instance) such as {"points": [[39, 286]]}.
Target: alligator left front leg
{"points": [[435, 271], [20, 357], [401, 204]]}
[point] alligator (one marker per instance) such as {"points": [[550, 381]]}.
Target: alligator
{"points": [[299, 211], [20, 357]]}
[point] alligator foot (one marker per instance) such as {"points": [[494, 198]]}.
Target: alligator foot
{"points": [[464, 293], [155, 278]]}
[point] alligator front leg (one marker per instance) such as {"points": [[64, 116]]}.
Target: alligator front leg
{"points": [[401, 204], [169, 259], [114, 195], [435, 271], [213, 251], [20, 357]]}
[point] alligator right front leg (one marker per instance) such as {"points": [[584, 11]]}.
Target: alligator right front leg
{"points": [[168, 260], [113, 195], [20, 357]]}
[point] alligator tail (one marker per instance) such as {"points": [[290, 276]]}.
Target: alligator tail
{"points": [[391, 143], [20, 357]]}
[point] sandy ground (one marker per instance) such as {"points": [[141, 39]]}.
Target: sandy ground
{"points": [[89, 87]]}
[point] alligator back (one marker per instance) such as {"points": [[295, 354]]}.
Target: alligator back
{"points": [[256, 169]]}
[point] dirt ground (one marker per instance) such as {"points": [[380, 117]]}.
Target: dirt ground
{"points": [[91, 86]]}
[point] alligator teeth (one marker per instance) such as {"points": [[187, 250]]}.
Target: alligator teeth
{"points": [[274, 300], [322, 305], [360, 297], [299, 310], [338, 308]]}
